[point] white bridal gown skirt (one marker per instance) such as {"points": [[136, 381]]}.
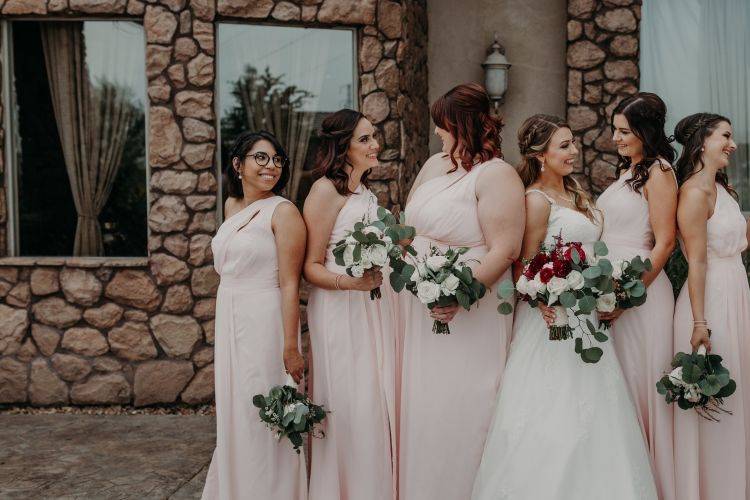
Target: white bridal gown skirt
{"points": [[562, 429]]}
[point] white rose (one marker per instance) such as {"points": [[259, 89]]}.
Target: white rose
{"points": [[540, 286], [357, 271], [575, 280], [435, 262], [428, 292], [449, 285], [351, 240], [378, 255], [561, 316], [373, 230], [388, 242], [532, 288], [693, 393], [522, 285], [415, 276], [365, 259], [557, 285], [291, 407], [676, 377], [606, 303], [617, 268], [422, 269], [349, 255]]}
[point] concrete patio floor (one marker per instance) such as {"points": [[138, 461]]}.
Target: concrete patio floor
{"points": [[107, 457]]}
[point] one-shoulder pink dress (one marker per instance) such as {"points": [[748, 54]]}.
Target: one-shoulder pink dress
{"points": [[643, 336], [449, 382], [353, 347], [249, 462], [712, 459]]}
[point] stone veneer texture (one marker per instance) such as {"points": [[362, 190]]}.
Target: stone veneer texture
{"points": [[123, 331], [602, 58]]}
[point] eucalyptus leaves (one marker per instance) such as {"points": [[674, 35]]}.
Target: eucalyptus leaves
{"points": [[371, 245], [698, 381], [561, 277]]}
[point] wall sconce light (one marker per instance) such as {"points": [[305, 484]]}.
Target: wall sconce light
{"points": [[496, 68]]}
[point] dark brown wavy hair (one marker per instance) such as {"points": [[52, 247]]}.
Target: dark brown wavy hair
{"points": [[534, 137], [646, 114], [335, 134], [464, 111], [692, 132]]}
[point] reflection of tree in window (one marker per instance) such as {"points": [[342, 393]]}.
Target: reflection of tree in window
{"points": [[96, 154], [265, 102]]}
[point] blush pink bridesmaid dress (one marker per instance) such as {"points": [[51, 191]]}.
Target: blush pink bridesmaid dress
{"points": [[711, 459], [449, 382], [353, 344], [643, 336], [249, 462]]}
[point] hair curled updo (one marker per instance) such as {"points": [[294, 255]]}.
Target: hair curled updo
{"points": [[464, 111], [534, 138], [336, 132], [692, 132], [646, 114], [242, 145]]}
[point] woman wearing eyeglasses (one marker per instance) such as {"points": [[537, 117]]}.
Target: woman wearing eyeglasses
{"points": [[352, 337], [258, 253]]}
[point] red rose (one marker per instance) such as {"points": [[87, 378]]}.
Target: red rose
{"points": [[546, 274], [579, 248], [561, 268]]}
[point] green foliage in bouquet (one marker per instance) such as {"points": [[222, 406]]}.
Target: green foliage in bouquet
{"points": [[289, 413], [698, 381]]}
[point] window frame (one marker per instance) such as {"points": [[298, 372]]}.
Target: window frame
{"points": [[354, 31], [10, 118]]}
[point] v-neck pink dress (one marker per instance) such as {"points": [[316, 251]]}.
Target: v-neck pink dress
{"points": [[449, 382], [249, 462], [643, 336], [712, 460]]}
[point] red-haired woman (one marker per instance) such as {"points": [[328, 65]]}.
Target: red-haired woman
{"points": [[352, 337], [465, 196]]}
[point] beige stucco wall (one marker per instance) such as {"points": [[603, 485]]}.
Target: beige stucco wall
{"points": [[533, 34]]}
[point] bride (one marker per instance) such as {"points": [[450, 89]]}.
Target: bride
{"points": [[562, 429]]}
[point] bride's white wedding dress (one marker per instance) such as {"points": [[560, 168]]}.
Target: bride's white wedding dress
{"points": [[563, 429]]}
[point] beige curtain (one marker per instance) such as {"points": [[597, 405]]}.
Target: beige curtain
{"points": [[92, 122], [274, 111]]}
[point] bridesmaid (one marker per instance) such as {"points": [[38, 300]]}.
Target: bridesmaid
{"points": [[352, 337], [258, 254], [711, 459], [465, 196], [643, 336]]}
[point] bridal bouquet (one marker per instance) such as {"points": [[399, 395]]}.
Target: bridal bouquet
{"points": [[698, 381], [629, 289], [371, 245], [561, 277], [438, 280], [290, 413]]}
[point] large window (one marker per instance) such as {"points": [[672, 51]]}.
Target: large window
{"points": [[284, 80], [78, 179], [696, 55]]}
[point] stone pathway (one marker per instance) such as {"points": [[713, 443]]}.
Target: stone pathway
{"points": [[104, 457]]}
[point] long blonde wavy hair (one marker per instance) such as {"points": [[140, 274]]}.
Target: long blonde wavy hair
{"points": [[533, 140]]}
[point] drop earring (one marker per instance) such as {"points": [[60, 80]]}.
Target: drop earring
{"points": [[542, 169]]}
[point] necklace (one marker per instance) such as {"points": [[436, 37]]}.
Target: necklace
{"points": [[558, 196]]}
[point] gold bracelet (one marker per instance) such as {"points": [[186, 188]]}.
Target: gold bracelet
{"points": [[338, 279]]}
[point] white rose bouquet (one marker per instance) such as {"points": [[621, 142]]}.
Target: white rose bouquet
{"points": [[628, 290], [698, 381], [372, 245], [439, 280], [561, 277], [288, 412]]}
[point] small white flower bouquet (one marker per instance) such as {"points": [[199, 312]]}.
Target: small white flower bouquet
{"points": [[629, 289], [438, 280], [371, 245], [288, 412], [698, 381]]}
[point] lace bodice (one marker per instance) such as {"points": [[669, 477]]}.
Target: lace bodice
{"points": [[568, 223]]}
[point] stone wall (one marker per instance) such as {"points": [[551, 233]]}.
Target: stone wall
{"points": [[140, 331], [602, 56]]}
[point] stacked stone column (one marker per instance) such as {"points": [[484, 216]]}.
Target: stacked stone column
{"points": [[602, 56]]}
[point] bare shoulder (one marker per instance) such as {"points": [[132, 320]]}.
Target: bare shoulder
{"points": [[323, 187], [662, 165], [232, 206], [286, 210], [694, 199], [537, 203], [435, 166]]}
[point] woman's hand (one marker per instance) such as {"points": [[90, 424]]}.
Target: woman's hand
{"points": [[444, 314], [548, 313], [701, 335], [611, 316], [371, 280], [294, 363]]}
